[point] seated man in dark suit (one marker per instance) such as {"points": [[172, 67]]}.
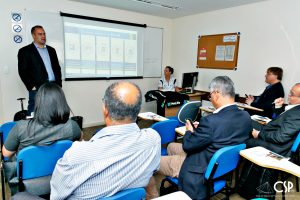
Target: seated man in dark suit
{"points": [[279, 134], [227, 126], [273, 91]]}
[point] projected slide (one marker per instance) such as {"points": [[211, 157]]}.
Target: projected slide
{"points": [[97, 51]]}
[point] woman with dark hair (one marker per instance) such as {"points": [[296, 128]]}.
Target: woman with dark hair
{"points": [[168, 82], [50, 123]]}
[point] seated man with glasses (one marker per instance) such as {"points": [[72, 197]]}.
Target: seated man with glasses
{"points": [[279, 134], [228, 125], [273, 91]]}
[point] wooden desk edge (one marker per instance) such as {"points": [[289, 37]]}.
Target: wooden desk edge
{"points": [[249, 107]]}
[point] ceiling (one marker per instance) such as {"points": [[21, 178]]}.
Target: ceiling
{"points": [[169, 8]]}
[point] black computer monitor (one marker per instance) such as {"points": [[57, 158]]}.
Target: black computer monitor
{"points": [[189, 81]]}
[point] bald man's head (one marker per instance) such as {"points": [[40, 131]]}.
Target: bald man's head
{"points": [[123, 101], [294, 95]]}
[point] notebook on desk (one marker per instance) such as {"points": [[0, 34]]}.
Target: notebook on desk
{"points": [[262, 119]]}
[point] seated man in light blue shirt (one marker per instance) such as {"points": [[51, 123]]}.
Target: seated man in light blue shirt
{"points": [[118, 157]]}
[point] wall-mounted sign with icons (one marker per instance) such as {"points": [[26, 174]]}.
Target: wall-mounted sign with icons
{"points": [[17, 27]]}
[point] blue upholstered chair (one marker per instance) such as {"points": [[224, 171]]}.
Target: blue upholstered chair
{"points": [[4, 131], [35, 165], [129, 194], [166, 130], [295, 159], [223, 162]]}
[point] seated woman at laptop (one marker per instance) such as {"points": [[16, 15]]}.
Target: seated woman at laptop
{"points": [[168, 82], [50, 123]]}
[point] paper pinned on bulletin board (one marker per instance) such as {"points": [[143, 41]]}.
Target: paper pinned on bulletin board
{"points": [[202, 54]]}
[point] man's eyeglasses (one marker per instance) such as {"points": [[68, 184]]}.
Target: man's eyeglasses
{"points": [[292, 94], [209, 96]]}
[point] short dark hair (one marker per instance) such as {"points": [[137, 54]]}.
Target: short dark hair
{"points": [[119, 110], [276, 71], [35, 27], [51, 107], [224, 85], [170, 69]]}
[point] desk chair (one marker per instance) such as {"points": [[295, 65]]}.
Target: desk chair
{"points": [[223, 163], [35, 165], [189, 110], [295, 156], [129, 194], [4, 131], [295, 159], [166, 130]]}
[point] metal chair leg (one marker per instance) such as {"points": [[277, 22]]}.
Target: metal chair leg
{"points": [[2, 182]]}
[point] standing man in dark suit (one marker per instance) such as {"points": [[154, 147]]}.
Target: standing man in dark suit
{"points": [[279, 134], [38, 64], [228, 125], [273, 91]]}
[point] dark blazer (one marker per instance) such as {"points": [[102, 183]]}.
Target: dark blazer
{"points": [[265, 100], [279, 134], [230, 126], [32, 69]]}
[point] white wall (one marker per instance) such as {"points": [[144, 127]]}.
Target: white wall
{"points": [[270, 36], [84, 97]]}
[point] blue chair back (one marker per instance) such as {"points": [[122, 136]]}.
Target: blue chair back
{"points": [[190, 110], [129, 194], [226, 158], [295, 146], [5, 129], [166, 130], [38, 161]]}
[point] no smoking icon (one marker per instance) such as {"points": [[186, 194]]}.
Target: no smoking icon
{"points": [[16, 17], [18, 39], [17, 28]]}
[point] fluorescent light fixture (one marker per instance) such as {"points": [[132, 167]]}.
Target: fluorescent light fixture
{"points": [[154, 3]]}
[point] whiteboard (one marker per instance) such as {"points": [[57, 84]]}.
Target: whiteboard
{"points": [[153, 48], [53, 25]]}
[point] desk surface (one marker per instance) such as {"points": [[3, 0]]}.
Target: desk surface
{"points": [[151, 116], [211, 109], [180, 130], [175, 195], [196, 93], [265, 158]]}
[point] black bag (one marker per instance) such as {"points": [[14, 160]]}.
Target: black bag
{"points": [[257, 182], [21, 114]]}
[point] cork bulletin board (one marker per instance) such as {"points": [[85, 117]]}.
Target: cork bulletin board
{"points": [[218, 51]]}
